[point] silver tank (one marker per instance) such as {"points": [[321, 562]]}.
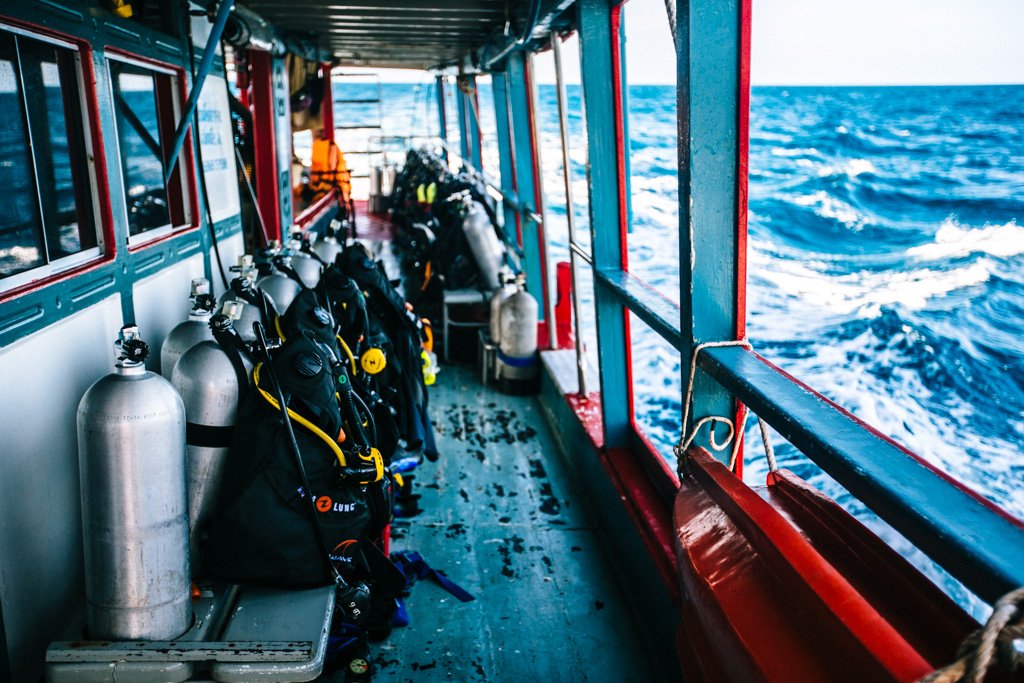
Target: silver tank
{"points": [[507, 289], [307, 268], [281, 289], [388, 177], [487, 249], [518, 343], [187, 334], [328, 248], [304, 264], [243, 315], [131, 449], [206, 381]]}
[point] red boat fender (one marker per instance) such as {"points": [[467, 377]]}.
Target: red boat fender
{"points": [[762, 602]]}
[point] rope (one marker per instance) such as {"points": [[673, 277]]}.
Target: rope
{"points": [[734, 435], [991, 644]]}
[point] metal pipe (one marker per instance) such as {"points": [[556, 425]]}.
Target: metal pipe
{"points": [[579, 251], [220, 20], [570, 218]]}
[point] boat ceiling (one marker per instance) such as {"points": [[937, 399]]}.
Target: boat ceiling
{"points": [[412, 34]]}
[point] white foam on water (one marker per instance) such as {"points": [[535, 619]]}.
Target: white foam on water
{"points": [[851, 168], [864, 292], [794, 151], [954, 240], [827, 206]]}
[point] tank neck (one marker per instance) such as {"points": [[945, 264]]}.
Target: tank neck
{"points": [[132, 370], [200, 316]]}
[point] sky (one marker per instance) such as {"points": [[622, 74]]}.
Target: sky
{"points": [[827, 42]]}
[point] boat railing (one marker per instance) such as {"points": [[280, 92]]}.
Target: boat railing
{"points": [[942, 517]]}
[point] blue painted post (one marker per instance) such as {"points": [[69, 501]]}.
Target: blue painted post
{"points": [[220, 20], [713, 57], [442, 117], [527, 174], [469, 126], [599, 57], [499, 83]]}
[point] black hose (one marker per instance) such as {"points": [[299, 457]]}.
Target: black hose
{"points": [[202, 171], [369, 416]]}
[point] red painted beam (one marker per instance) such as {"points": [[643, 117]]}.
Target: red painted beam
{"points": [[268, 192]]}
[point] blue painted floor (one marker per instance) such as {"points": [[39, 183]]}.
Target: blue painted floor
{"points": [[504, 520]]}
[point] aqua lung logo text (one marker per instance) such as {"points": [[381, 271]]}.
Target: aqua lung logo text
{"points": [[327, 504]]}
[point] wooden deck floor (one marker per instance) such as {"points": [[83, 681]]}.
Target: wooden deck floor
{"points": [[502, 519]]}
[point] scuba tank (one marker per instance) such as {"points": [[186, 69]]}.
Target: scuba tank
{"points": [[307, 267], [187, 334], [329, 247], [279, 286], [506, 288], [211, 378], [517, 366], [253, 304], [131, 449], [487, 249]]}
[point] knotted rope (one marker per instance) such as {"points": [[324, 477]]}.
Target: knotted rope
{"points": [[991, 644], [734, 435]]}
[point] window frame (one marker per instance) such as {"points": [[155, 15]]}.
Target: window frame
{"points": [[59, 268], [185, 161]]}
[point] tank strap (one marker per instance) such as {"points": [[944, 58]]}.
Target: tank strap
{"points": [[412, 565], [234, 347]]}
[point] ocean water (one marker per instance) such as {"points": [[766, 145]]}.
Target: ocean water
{"points": [[886, 263]]}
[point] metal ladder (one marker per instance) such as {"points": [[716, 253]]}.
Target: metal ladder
{"points": [[370, 150]]}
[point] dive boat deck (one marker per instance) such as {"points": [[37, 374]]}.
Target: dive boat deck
{"points": [[504, 518]]}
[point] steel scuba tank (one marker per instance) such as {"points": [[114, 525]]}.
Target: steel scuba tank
{"points": [[131, 449], [207, 379], [187, 334], [517, 366], [488, 252]]}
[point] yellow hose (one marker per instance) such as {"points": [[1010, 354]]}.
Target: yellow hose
{"points": [[348, 352], [298, 418]]}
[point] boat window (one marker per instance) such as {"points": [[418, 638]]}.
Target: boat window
{"points": [[146, 106], [650, 121], [48, 213], [488, 125], [657, 386]]}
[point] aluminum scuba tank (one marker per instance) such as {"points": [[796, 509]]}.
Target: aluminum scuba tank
{"points": [[328, 248], [187, 334], [305, 266], [281, 288], [506, 289], [131, 449], [242, 292], [208, 382], [488, 252], [376, 201], [518, 368], [388, 179]]}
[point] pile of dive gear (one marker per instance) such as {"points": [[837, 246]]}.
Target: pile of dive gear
{"points": [[449, 236], [296, 407], [446, 228]]}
